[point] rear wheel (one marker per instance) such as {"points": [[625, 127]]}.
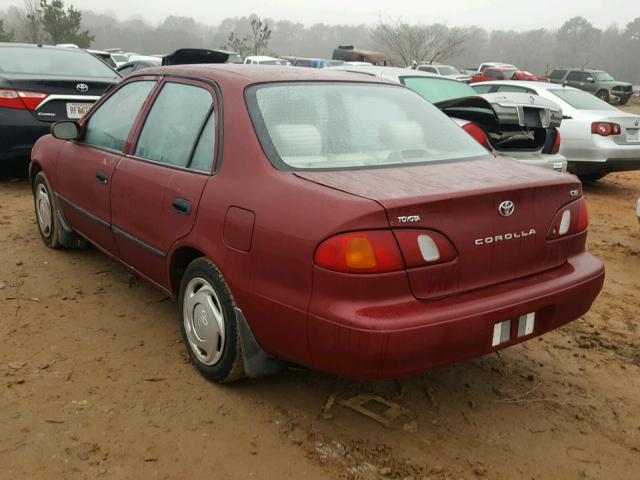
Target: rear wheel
{"points": [[46, 212], [208, 323], [603, 95]]}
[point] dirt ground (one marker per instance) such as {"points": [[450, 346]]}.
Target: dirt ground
{"points": [[94, 383]]}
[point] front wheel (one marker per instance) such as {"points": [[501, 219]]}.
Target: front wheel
{"points": [[603, 95], [624, 100], [46, 212], [208, 323]]}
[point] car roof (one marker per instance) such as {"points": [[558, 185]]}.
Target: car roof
{"points": [[42, 47], [261, 57], [529, 84], [251, 74], [380, 70]]}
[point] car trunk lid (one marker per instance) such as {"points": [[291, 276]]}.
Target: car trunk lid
{"points": [[67, 97], [462, 201]]}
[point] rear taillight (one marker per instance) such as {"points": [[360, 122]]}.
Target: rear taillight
{"points": [[360, 252], [478, 134], [605, 129], [424, 247], [556, 143], [571, 219], [20, 100], [379, 251]]}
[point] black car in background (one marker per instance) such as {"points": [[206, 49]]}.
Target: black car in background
{"points": [[40, 85]]}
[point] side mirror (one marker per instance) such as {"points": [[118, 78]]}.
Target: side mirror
{"points": [[590, 80], [66, 130]]}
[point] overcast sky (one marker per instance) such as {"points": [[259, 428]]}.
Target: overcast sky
{"points": [[516, 14]]}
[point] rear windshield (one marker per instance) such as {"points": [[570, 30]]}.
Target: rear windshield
{"points": [[581, 100], [436, 89], [50, 61], [307, 126], [448, 71]]}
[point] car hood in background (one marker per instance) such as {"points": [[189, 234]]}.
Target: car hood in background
{"points": [[187, 56]]}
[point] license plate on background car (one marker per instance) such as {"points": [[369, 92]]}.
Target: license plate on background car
{"points": [[77, 110], [633, 135]]}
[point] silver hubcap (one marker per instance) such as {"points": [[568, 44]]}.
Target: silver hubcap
{"points": [[203, 321], [43, 210]]}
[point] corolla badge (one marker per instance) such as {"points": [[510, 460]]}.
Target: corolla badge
{"points": [[507, 208], [82, 87]]}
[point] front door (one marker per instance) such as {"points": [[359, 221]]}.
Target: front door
{"points": [[85, 168], [156, 190]]}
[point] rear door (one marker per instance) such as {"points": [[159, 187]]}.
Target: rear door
{"points": [[156, 189], [85, 168]]}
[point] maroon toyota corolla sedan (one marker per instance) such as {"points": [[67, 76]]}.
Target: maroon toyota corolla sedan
{"points": [[311, 217]]}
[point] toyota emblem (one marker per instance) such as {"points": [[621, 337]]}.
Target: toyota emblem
{"points": [[532, 100], [82, 87], [507, 208]]}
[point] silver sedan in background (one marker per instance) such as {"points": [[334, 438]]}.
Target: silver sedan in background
{"points": [[597, 138]]}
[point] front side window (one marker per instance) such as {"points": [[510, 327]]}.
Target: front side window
{"points": [[602, 77], [173, 124], [437, 90], [306, 126], [575, 77], [493, 74], [581, 100], [109, 126]]}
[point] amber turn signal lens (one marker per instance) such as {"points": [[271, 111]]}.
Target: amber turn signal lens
{"points": [[359, 254]]}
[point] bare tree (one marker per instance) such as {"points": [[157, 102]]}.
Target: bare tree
{"points": [[420, 43], [32, 21], [260, 35]]}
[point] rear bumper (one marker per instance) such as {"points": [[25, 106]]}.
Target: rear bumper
{"points": [[606, 166], [551, 161], [19, 130], [410, 336]]}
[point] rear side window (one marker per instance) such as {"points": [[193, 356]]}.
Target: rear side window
{"points": [[174, 124], [53, 61], [493, 74], [111, 123], [483, 88], [558, 74]]}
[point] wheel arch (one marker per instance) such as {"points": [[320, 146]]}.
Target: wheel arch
{"points": [[181, 257]]}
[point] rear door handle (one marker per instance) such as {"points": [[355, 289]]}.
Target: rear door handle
{"points": [[181, 206], [102, 177]]}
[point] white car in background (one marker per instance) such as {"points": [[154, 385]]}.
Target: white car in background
{"points": [[597, 138], [447, 71], [264, 60], [509, 127]]}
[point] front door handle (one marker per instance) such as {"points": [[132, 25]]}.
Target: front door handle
{"points": [[181, 206], [102, 177]]}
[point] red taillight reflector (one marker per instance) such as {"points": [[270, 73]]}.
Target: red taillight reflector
{"points": [[571, 219], [360, 252], [556, 143], [20, 100], [424, 247], [604, 129], [478, 135]]}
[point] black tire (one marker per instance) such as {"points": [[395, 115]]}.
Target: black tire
{"points": [[229, 366], [592, 177], [603, 95], [624, 100], [49, 228]]}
